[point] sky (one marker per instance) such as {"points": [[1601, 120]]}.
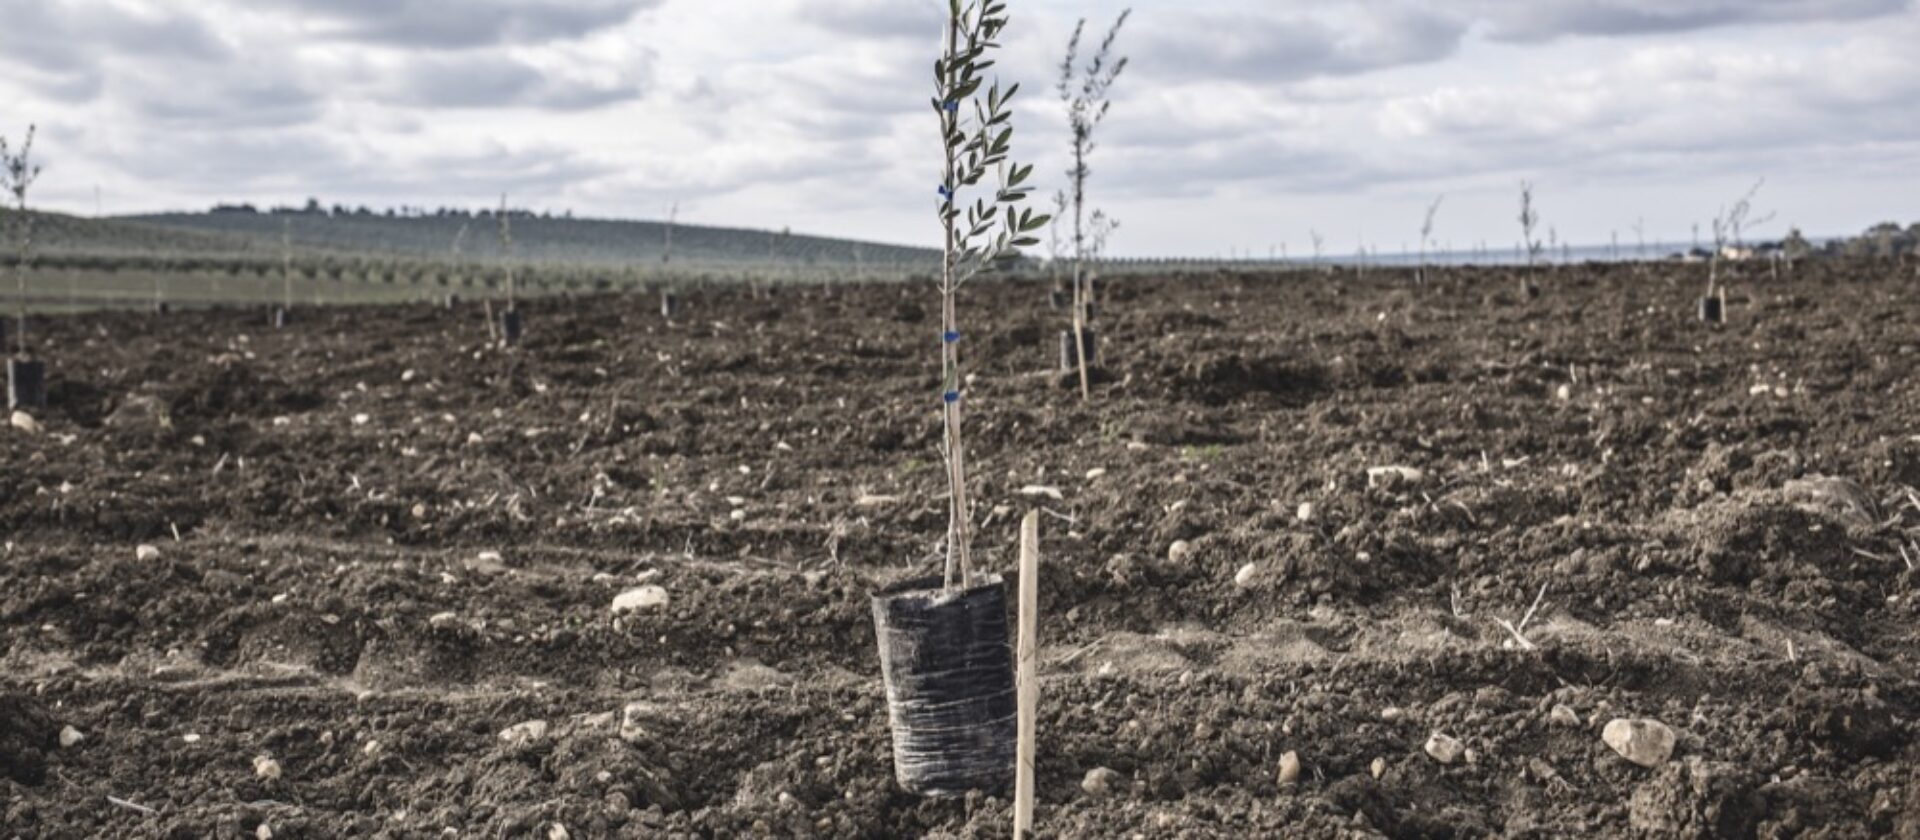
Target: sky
{"points": [[1240, 127]]}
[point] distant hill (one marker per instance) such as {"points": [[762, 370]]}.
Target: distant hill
{"points": [[58, 234], [536, 239]]}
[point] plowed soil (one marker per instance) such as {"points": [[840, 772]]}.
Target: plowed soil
{"points": [[383, 542]]}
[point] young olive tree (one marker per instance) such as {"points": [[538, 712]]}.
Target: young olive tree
{"points": [[1529, 220], [1426, 237], [1729, 230], [1084, 91], [17, 174], [976, 132]]}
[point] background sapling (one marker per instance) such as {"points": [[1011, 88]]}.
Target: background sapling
{"points": [[1084, 91], [17, 174], [1426, 237], [1529, 219]]}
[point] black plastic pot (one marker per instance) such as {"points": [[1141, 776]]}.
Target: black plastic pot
{"points": [[1059, 299], [453, 301], [161, 307], [1088, 310], [948, 667], [1713, 310], [510, 326], [1069, 360], [669, 306], [26, 383], [280, 317]]}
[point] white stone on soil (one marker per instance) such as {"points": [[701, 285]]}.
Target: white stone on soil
{"points": [[1245, 576], [1289, 769], [70, 736], [1643, 741], [146, 552], [1179, 551], [1101, 781], [1394, 477], [266, 769], [25, 422], [1445, 748], [642, 598], [1563, 715], [522, 734]]}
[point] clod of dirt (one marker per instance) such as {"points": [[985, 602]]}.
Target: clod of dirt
{"points": [[1289, 769], [1643, 741], [26, 736], [640, 599], [1445, 749], [145, 552], [640, 720], [524, 733], [1697, 799], [25, 422], [1101, 781], [1838, 498]]}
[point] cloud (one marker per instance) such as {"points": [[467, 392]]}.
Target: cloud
{"points": [[1541, 20], [475, 23], [62, 48], [488, 79], [1265, 47]]}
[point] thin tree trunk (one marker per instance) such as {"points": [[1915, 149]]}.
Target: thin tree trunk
{"points": [[1079, 268]]}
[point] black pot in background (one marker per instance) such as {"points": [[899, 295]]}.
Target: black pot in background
{"points": [[1059, 299], [669, 306], [281, 317], [26, 384], [511, 326], [948, 667], [1713, 309], [161, 307], [1069, 360]]}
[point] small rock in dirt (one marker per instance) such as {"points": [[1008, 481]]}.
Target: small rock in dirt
{"points": [[441, 621], [70, 736], [1304, 513], [1101, 781], [1563, 715], [1392, 714], [1646, 742], [266, 769], [191, 737], [640, 599], [639, 720], [1179, 551], [558, 832], [1394, 478], [1289, 769], [1836, 497], [264, 832], [1378, 768], [1096, 473], [25, 422], [1246, 575], [361, 419], [522, 734], [1445, 748], [146, 552]]}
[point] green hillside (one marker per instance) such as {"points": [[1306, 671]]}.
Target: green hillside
{"points": [[536, 239]]}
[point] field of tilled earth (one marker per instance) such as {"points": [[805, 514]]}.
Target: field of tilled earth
{"points": [[1324, 556]]}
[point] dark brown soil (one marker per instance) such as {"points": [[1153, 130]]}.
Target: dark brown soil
{"points": [[382, 543]]}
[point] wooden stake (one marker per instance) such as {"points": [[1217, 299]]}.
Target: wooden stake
{"points": [[1027, 683]]}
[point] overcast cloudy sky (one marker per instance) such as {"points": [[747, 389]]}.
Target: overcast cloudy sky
{"points": [[1240, 126]]}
